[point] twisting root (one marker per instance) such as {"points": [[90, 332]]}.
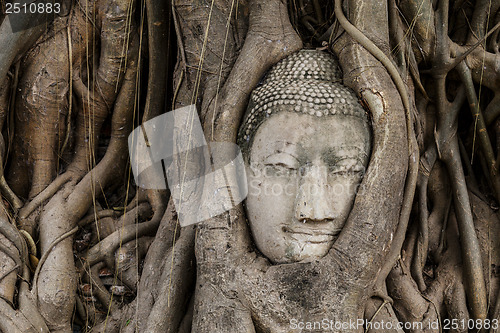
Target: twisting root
{"points": [[422, 244], [43, 196], [449, 153], [413, 150], [8, 193]]}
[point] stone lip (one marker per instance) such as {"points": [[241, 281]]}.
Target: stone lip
{"points": [[310, 235]]}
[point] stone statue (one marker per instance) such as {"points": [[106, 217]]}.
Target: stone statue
{"points": [[306, 144]]}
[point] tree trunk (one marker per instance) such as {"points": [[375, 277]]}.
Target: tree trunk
{"points": [[84, 248]]}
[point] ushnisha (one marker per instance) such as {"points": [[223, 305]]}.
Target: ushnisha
{"points": [[308, 81]]}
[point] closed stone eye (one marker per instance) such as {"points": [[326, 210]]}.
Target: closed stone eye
{"points": [[279, 169], [283, 165], [347, 170]]}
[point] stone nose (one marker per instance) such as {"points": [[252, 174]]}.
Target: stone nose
{"points": [[313, 202]]}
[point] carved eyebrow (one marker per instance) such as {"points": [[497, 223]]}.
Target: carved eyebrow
{"points": [[282, 149], [279, 151], [331, 155], [285, 144]]}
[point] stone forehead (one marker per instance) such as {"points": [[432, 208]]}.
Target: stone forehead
{"points": [[306, 82]]}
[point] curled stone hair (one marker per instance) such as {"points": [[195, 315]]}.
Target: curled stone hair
{"points": [[308, 82]]}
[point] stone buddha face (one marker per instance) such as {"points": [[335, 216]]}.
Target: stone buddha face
{"points": [[302, 182], [304, 163]]}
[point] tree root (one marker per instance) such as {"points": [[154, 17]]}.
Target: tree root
{"points": [[422, 244], [14, 322], [413, 153], [272, 38], [43, 196], [73, 200], [16, 43], [449, 153], [176, 282], [46, 254], [8, 271], [375, 249], [111, 243], [127, 259], [480, 127]]}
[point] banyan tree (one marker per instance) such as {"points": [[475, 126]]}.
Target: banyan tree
{"points": [[369, 134]]}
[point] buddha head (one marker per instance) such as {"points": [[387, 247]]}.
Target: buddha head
{"points": [[306, 142]]}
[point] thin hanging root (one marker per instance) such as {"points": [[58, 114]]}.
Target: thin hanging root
{"points": [[7, 273], [70, 91], [384, 303], [11, 128], [270, 35], [422, 244], [480, 126], [413, 150], [462, 57]]}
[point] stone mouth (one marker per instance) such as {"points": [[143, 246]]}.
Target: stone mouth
{"points": [[311, 235]]}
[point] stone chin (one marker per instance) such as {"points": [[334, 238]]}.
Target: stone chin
{"points": [[291, 246], [304, 251]]}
